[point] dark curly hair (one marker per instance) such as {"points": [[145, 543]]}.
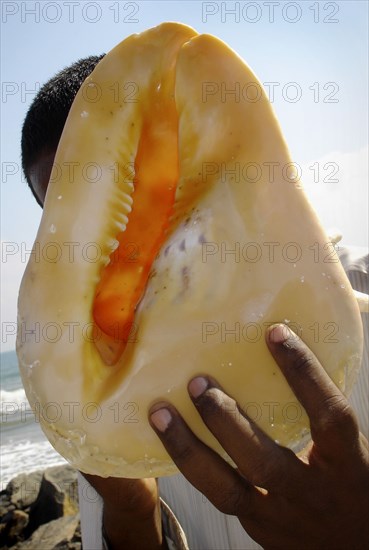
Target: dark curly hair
{"points": [[48, 112]]}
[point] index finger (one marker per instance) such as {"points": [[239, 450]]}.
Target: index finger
{"points": [[334, 427]]}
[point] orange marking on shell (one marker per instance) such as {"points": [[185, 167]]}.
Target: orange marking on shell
{"points": [[123, 280]]}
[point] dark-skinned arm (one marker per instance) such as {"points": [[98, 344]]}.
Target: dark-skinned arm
{"points": [[131, 513]]}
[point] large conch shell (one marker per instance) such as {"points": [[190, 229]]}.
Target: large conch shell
{"points": [[241, 249]]}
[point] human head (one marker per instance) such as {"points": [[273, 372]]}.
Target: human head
{"points": [[44, 123]]}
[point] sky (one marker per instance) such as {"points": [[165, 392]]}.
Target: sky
{"points": [[310, 56]]}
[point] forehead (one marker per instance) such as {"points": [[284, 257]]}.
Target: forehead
{"points": [[39, 174]]}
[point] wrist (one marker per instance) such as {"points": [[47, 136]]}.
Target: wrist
{"points": [[132, 530]]}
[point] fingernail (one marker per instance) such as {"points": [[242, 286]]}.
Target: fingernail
{"points": [[161, 419], [197, 386], [279, 334]]}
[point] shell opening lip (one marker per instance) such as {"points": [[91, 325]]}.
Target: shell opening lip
{"points": [[124, 279]]}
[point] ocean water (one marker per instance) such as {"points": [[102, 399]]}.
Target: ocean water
{"points": [[24, 447]]}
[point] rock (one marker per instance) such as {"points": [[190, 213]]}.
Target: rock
{"points": [[4, 510], [23, 489], [58, 496], [40, 510], [20, 520], [12, 527], [4, 503], [69, 546], [55, 534]]}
